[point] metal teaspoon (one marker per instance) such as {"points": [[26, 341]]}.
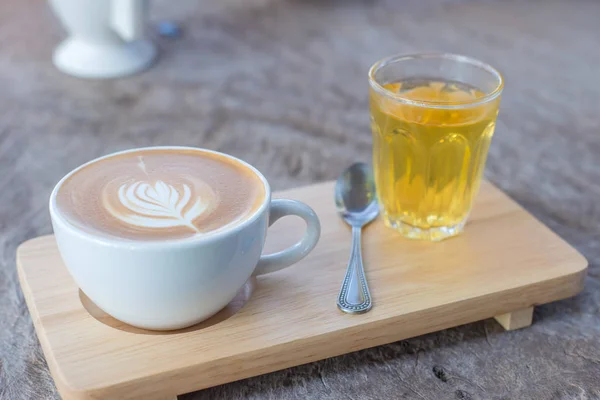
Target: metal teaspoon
{"points": [[356, 203]]}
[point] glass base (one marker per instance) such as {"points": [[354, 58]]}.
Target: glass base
{"points": [[434, 234]]}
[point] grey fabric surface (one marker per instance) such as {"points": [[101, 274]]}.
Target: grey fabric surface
{"points": [[282, 84]]}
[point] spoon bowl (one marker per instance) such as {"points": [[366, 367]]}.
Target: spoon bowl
{"points": [[355, 196]]}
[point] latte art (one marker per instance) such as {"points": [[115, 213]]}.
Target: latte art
{"points": [[158, 194], [157, 206]]}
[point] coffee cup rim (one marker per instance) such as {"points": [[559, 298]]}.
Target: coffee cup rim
{"points": [[58, 218]]}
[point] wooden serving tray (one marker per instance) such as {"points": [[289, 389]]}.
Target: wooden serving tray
{"points": [[505, 263]]}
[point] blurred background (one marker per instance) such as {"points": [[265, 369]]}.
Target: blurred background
{"points": [[283, 85]]}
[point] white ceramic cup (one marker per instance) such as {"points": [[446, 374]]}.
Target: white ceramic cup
{"points": [[177, 283]]}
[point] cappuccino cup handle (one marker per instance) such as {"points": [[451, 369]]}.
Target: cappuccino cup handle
{"points": [[276, 261]]}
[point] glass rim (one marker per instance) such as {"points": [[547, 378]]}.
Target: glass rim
{"points": [[491, 95]]}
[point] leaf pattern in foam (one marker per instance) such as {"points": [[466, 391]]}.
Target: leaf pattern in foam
{"points": [[158, 206]]}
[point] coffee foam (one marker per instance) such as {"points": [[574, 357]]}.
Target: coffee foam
{"points": [[157, 194]]}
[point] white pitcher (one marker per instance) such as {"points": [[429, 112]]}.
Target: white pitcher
{"points": [[106, 38]]}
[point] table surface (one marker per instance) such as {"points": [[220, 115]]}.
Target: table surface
{"points": [[282, 84]]}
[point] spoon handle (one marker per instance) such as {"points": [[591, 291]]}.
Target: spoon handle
{"points": [[354, 295]]}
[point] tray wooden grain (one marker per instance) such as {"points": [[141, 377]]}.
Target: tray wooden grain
{"points": [[505, 263]]}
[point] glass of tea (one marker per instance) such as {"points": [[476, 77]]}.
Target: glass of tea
{"points": [[432, 117]]}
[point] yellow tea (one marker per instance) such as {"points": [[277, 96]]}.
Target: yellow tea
{"points": [[430, 145]]}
